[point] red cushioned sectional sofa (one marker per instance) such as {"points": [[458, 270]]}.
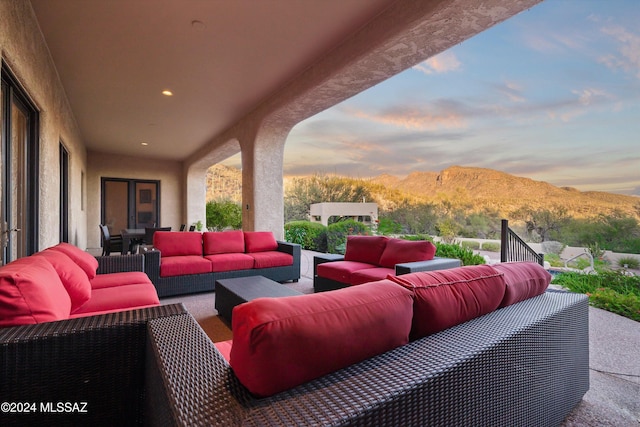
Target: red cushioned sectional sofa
{"points": [[62, 282], [188, 262], [369, 258]]}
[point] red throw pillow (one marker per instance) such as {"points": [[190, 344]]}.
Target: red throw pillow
{"points": [[367, 249], [259, 241], [223, 242], [85, 260], [279, 343], [445, 298], [523, 280], [399, 251], [72, 276], [176, 243], [31, 292]]}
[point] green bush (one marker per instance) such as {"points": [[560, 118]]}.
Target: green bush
{"points": [[471, 244], [337, 234], [613, 291], [630, 262], [554, 260], [222, 215], [309, 235], [466, 255], [415, 237], [490, 247]]}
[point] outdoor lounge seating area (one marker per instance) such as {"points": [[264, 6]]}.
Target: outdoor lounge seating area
{"points": [[522, 364]]}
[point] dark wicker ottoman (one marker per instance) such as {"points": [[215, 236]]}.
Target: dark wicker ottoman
{"points": [[231, 292]]}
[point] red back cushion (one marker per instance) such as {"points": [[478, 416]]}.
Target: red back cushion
{"points": [[259, 241], [176, 243], [398, 251], [224, 242], [445, 298], [85, 260], [365, 249], [523, 280], [31, 292], [279, 343], [72, 276]]}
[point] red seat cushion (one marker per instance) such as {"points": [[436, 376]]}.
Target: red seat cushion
{"points": [[367, 249], [119, 298], [445, 298], [224, 347], [371, 275], [271, 259], [259, 241], [31, 292], [279, 343], [223, 242], [73, 278], [176, 243], [230, 262], [523, 280], [180, 265], [341, 271], [118, 279], [85, 260], [398, 251]]}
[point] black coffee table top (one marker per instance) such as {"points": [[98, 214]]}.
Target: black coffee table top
{"points": [[250, 288]]}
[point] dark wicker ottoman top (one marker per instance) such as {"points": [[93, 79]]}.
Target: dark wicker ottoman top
{"points": [[231, 292]]}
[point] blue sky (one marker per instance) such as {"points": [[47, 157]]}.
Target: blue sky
{"points": [[552, 94]]}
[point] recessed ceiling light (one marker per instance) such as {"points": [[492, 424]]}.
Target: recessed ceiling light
{"points": [[167, 92], [144, 143], [198, 25]]}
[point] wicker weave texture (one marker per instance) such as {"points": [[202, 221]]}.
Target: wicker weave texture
{"points": [[526, 364]]}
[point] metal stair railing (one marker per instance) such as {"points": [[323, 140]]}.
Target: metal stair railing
{"points": [[513, 248]]}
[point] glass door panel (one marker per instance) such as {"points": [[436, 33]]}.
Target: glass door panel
{"points": [[115, 205], [146, 213]]}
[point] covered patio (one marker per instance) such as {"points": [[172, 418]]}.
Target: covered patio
{"points": [[242, 74]]}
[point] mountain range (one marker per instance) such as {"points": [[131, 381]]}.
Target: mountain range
{"points": [[469, 187]]}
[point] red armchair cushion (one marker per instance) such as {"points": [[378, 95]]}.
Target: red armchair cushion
{"points": [[523, 280], [119, 298], [371, 275], [341, 271], [279, 343], [445, 298], [180, 265], [31, 292], [229, 262], [118, 279], [71, 275], [398, 251], [85, 260], [223, 242], [367, 249], [175, 243], [259, 241], [270, 259]]}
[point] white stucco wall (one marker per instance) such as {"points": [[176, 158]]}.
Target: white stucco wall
{"points": [[169, 173]]}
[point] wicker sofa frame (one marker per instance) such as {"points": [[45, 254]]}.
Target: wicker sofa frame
{"points": [[526, 364], [192, 283]]}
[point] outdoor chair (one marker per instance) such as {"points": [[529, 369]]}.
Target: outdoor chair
{"points": [[110, 242]]}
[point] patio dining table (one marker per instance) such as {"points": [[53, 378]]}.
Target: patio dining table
{"points": [[129, 234]]}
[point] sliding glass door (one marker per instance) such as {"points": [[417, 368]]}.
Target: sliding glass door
{"points": [[130, 203]]}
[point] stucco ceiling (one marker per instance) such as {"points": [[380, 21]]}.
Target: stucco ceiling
{"points": [[220, 58]]}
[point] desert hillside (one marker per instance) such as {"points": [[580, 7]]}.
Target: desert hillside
{"points": [[469, 187]]}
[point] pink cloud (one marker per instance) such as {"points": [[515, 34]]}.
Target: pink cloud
{"points": [[441, 63]]}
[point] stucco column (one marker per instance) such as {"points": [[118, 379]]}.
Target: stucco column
{"points": [[195, 194], [262, 187]]}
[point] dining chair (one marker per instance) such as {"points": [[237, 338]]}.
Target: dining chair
{"points": [[183, 227], [110, 243]]}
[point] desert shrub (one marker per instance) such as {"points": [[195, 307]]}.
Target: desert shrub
{"points": [[415, 237], [388, 226], [471, 244], [490, 247], [465, 255], [553, 247], [309, 235], [222, 215], [337, 234], [630, 262], [554, 260], [610, 290]]}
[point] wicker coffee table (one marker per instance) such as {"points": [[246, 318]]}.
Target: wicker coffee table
{"points": [[231, 292]]}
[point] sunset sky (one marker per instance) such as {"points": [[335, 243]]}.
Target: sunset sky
{"points": [[552, 94]]}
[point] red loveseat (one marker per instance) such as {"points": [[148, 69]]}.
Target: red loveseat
{"points": [[370, 258], [188, 262], [61, 282]]}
